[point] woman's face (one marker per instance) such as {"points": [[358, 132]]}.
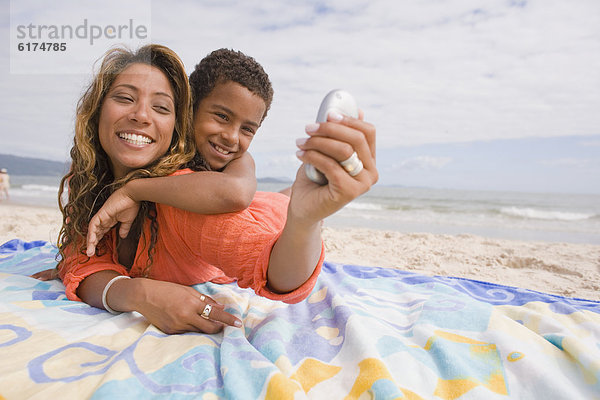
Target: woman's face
{"points": [[137, 118]]}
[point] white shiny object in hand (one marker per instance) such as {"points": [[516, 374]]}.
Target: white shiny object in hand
{"points": [[338, 101]]}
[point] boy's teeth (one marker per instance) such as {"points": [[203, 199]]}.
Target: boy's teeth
{"points": [[221, 150], [135, 139]]}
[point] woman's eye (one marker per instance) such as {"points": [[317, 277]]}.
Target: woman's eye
{"points": [[222, 116], [249, 131], [122, 98], [162, 109]]}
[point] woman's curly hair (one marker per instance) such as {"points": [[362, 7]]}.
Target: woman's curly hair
{"points": [[90, 180]]}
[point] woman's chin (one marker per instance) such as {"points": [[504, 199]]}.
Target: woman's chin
{"points": [[126, 166]]}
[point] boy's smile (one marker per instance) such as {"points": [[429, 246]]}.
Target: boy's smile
{"points": [[225, 123]]}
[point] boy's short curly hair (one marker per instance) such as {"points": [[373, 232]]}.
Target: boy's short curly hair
{"points": [[226, 65]]}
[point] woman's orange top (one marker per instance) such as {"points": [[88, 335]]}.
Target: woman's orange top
{"points": [[194, 248]]}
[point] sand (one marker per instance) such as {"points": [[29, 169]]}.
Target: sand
{"points": [[564, 269]]}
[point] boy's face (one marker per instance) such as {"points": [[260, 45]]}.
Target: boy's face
{"points": [[225, 123]]}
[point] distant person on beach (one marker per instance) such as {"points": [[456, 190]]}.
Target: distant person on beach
{"points": [[4, 184], [133, 122]]}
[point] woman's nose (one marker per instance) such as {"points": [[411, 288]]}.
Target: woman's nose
{"points": [[140, 113]]}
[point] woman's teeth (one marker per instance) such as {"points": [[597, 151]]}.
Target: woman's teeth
{"points": [[135, 139]]}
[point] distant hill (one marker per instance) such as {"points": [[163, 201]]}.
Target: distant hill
{"points": [[39, 167], [32, 166]]}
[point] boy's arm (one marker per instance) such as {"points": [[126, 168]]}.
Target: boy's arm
{"points": [[204, 192]]}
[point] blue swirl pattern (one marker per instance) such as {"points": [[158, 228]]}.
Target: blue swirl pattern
{"points": [[363, 331]]}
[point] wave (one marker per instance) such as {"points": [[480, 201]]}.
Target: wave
{"points": [[533, 213], [34, 194], [364, 206], [39, 188]]}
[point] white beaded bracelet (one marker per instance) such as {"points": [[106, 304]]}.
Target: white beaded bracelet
{"points": [[105, 291]]}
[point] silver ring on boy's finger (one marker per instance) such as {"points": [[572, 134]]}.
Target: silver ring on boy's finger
{"points": [[206, 312], [352, 165]]}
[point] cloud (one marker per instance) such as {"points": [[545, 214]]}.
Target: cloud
{"points": [[423, 163], [588, 143], [579, 163], [276, 165], [423, 72]]}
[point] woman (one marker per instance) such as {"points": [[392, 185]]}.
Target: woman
{"points": [[132, 123]]}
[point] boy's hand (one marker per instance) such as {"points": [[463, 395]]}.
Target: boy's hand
{"points": [[118, 208]]}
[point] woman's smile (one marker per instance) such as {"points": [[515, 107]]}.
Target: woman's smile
{"points": [[135, 138]]}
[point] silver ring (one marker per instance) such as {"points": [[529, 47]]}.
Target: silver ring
{"points": [[206, 312], [352, 164]]}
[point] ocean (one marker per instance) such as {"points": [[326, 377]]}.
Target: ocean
{"points": [[550, 217], [572, 218], [34, 190]]}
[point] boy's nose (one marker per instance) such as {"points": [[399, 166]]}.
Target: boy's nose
{"points": [[231, 135]]}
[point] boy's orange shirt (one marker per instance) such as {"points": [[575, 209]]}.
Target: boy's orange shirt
{"points": [[194, 248]]}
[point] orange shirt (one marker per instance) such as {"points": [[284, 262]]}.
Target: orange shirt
{"points": [[194, 248]]}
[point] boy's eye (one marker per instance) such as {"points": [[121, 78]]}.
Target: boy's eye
{"points": [[249, 131], [222, 116]]}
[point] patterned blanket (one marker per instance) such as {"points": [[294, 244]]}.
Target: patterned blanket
{"points": [[364, 332]]}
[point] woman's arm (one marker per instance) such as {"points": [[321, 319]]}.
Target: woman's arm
{"points": [[296, 253], [154, 300], [85, 279]]}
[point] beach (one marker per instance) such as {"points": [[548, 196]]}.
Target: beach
{"points": [[565, 269]]}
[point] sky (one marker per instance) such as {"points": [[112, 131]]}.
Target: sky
{"points": [[494, 95]]}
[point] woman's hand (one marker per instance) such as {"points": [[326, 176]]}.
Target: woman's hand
{"points": [[121, 208], [328, 144], [171, 307], [175, 308]]}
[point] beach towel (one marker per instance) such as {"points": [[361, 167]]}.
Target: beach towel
{"points": [[363, 333]]}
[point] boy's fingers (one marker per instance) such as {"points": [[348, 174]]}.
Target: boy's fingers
{"points": [[124, 229], [91, 244], [91, 236]]}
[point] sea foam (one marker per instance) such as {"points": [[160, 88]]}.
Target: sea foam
{"points": [[533, 213]]}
